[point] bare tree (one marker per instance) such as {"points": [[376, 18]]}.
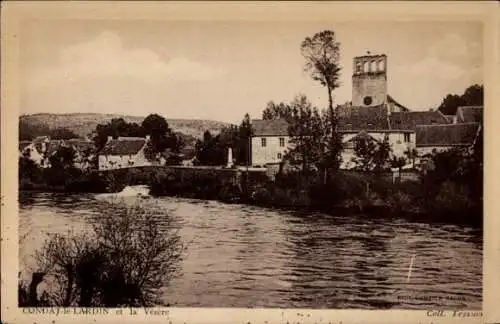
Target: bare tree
{"points": [[125, 259]]}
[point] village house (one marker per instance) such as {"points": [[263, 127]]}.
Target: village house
{"points": [[438, 138], [372, 112], [40, 149], [269, 141], [123, 152]]}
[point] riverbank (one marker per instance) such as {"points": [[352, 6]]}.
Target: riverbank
{"points": [[345, 193]]}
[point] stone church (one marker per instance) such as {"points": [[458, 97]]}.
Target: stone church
{"points": [[372, 113]]}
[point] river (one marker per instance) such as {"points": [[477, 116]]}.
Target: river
{"points": [[246, 256]]}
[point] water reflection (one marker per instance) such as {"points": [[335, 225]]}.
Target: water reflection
{"points": [[243, 256]]}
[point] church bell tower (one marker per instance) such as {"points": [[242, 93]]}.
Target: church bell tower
{"points": [[369, 80]]}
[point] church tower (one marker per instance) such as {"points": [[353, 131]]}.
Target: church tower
{"points": [[369, 80]]}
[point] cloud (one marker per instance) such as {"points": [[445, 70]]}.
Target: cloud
{"points": [[453, 46], [431, 66], [448, 58], [106, 57]]}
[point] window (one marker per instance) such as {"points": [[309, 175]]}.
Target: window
{"points": [[349, 145], [407, 137], [367, 100], [263, 142], [279, 156], [282, 142], [359, 68]]}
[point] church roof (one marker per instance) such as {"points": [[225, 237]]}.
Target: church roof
{"points": [[355, 119], [123, 146], [274, 127], [470, 114], [446, 135]]}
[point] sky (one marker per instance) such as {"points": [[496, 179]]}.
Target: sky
{"points": [[222, 70]]}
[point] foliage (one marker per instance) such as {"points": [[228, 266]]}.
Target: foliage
{"points": [[472, 96], [63, 158], [162, 137], [398, 162], [322, 61], [306, 136], [411, 155], [213, 150], [245, 133], [322, 55], [123, 261], [277, 111], [115, 128], [364, 153]]}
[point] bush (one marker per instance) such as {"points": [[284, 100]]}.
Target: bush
{"points": [[452, 198], [124, 261]]}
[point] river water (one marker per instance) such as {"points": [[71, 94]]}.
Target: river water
{"points": [[246, 256]]}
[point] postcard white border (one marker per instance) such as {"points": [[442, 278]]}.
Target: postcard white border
{"points": [[14, 13]]}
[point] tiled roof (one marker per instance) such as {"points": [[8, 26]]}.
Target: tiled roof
{"points": [[40, 139], [409, 120], [80, 145], [123, 146], [275, 127], [446, 135], [355, 119], [470, 114]]}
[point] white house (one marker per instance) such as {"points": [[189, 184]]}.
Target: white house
{"points": [[123, 152], [269, 141]]}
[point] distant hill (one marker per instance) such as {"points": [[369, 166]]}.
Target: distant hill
{"points": [[83, 124]]}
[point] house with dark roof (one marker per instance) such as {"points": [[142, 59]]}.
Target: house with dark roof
{"points": [[438, 138], [469, 114], [123, 152]]}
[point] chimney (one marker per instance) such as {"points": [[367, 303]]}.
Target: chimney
{"points": [[148, 137]]}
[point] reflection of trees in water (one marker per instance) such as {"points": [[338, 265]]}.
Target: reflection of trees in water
{"points": [[336, 259]]}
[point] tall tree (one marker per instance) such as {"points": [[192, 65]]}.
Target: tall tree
{"points": [[322, 55], [162, 136], [245, 134]]}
